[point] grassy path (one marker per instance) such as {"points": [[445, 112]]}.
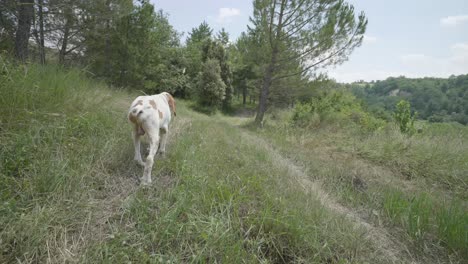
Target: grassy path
{"points": [[222, 194], [370, 195], [382, 240]]}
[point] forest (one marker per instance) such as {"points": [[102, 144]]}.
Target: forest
{"points": [[132, 44], [268, 159], [434, 99]]}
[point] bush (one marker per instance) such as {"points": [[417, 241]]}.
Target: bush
{"points": [[404, 118], [334, 106]]}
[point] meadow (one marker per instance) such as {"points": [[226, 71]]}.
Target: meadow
{"points": [[330, 190]]}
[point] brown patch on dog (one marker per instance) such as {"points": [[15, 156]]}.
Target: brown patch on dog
{"points": [[171, 102], [132, 118], [153, 104], [160, 114], [139, 102]]}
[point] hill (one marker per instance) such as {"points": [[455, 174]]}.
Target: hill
{"points": [[435, 99], [329, 190]]}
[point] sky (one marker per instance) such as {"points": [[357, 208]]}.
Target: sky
{"points": [[413, 38]]}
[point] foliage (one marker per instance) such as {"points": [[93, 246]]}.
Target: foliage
{"points": [[404, 118], [142, 54], [435, 99], [300, 36], [193, 48], [7, 25], [213, 49], [124, 42], [415, 186], [334, 105], [211, 89]]}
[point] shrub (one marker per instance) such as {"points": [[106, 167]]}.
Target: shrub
{"points": [[404, 118], [334, 107]]}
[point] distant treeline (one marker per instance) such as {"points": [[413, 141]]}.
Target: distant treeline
{"points": [[434, 99]]}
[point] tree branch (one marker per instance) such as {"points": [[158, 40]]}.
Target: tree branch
{"points": [[320, 61], [286, 20]]}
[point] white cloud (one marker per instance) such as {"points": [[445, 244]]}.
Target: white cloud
{"points": [[369, 39], [454, 20], [226, 14], [415, 58]]}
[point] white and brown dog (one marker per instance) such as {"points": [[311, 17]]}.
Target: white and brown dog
{"points": [[151, 115]]}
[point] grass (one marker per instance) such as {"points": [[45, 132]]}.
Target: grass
{"points": [[409, 184], [224, 203], [58, 133], [69, 189], [70, 192]]}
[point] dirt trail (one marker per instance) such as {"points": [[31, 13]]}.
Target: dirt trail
{"points": [[390, 247]]}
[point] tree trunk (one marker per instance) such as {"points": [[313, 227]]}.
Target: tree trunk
{"points": [[107, 48], [244, 92], [39, 36], [262, 100], [267, 79], [107, 52], [41, 33], [63, 50], [25, 15]]}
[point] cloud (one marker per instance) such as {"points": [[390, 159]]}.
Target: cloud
{"points": [[369, 39], [453, 21], [415, 58], [226, 14]]}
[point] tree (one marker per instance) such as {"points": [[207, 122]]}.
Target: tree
{"points": [[38, 30], [193, 50], [298, 36], [102, 20], [213, 49], [210, 86], [25, 16], [247, 59], [8, 17], [199, 34], [223, 37]]}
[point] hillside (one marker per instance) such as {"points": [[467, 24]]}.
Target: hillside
{"points": [[435, 99], [268, 160], [327, 193]]}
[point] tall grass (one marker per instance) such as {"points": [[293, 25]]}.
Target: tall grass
{"points": [[69, 194], [57, 129], [218, 199], [438, 155], [416, 183]]}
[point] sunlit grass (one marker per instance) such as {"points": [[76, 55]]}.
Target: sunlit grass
{"points": [[416, 183]]}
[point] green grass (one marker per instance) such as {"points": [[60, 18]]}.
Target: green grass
{"points": [[412, 184], [58, 138], [69, 188], [224, 203]]}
